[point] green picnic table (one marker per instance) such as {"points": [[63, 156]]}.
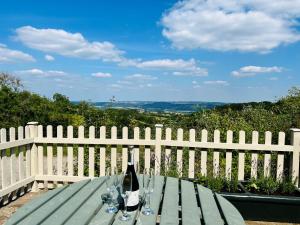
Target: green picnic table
{"points": [[174, 202]]}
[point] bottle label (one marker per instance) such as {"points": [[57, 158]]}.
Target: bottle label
{"points": [[133, 198]]}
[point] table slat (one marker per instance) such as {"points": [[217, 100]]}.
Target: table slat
{"points": [[43, 212], [131, 221], [154, 203], [191, 214], [33, 205], [231, 214], [102, 217], [62, 214], [85, 213], [210, 211], [169, 214]]}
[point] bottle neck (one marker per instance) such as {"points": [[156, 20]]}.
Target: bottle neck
{"points": [[130, 157]]}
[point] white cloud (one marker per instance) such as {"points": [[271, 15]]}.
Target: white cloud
{"points": [[126, 82], [140, 77], [179, 66], [273, 78], [216, 82], [243, 25], [250, 71], [134, 81], [115, 86], [197, 72], [166, 64], [145, 85], [197, 86], [67, 44], [49, 58], [39, 72], [101, 75], [8, 55]]}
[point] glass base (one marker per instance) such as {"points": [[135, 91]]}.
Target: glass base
{"points": [[111, 209], [147, 211], [124, 217]]}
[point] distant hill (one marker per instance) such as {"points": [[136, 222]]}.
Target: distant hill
{"points": [[180, 107]]}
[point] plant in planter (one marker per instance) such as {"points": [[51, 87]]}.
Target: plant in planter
{"points": [[264, 198], [271, 186], [268, 199], [219, 184]]}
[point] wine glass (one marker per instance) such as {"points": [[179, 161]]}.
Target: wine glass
{"points": [[110, 182], [125, 189], [148, 184], [152, 180], [116, 179]]}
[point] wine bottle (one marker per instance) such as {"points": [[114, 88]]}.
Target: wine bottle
{"points": [[131, 178]]}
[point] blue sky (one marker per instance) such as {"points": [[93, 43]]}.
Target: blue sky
{"points": [[193, 50]]}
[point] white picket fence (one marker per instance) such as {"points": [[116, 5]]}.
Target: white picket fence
{"points": [[36, 160]]}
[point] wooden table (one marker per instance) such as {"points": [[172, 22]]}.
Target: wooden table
{"points": [[173, 200]]}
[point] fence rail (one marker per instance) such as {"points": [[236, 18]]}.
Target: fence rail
{"points": [[39, 159]]}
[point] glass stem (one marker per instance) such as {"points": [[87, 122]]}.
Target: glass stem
{"points": [[147, 200], [125, 207], [110, 205]]}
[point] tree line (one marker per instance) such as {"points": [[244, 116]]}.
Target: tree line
{"points": [[18, 106]]}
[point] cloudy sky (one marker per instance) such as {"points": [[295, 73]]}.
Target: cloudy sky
{"points": [[202, 50]]}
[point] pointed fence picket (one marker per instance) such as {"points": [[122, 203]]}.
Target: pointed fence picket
{"points": [[136, 150], [241, 159], [54, 158], [168, 150], [179, 152], [254, 156], [280, 157], [203, 153], [80, 157], [59, 152], [125, 149], [267, 159], [192, 138], [216, 155], [147, 149], [70, 151], [91, 153], [102, 151], [229, 137]]}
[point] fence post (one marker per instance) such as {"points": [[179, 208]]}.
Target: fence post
{"points": [[33, 134], [295, 141], [158, 128]]}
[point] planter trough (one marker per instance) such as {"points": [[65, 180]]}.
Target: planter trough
{"points": [[266, 207]]}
